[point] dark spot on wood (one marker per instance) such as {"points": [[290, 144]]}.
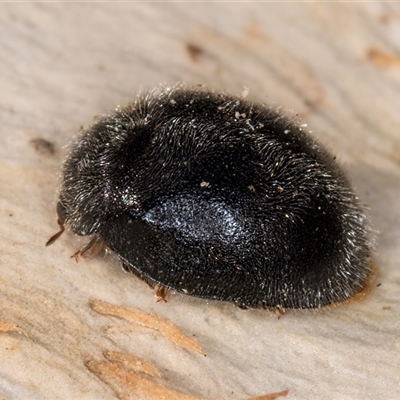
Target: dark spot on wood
{"points": [[42, 146], [194, 52]]}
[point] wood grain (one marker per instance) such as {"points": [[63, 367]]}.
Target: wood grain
{"points": [[333, 65]]}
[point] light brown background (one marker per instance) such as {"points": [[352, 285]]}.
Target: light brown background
{"points": [[336, 65]]}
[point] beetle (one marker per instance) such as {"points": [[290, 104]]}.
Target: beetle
{"points": [[214, 196]]}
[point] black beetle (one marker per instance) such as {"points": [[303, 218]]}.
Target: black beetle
{"points": [[216, 197]]}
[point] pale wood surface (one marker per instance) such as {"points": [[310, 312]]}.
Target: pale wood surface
{"points": [[336, 65]]}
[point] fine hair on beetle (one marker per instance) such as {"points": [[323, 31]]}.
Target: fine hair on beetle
{"points": [[217, 197]]}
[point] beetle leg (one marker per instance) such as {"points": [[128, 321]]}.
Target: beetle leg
{"points": [[90, 249]]}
